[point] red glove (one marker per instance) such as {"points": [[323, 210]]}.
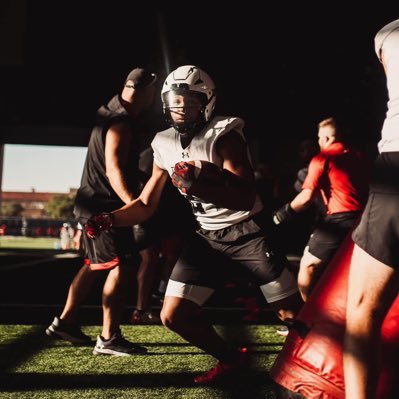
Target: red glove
{"points": [[183, 176], [98, 223]]}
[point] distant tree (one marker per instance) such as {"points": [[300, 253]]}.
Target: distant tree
{"points": [[61, 206], [12, 209]]}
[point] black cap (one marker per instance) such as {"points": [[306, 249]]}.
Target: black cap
{"points": [[141, 77]]}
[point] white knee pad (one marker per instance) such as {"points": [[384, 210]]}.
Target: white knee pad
{"points": [[284, 286], [194, 293]]}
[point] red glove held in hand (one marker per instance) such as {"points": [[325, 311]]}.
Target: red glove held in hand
{"points": [[98, 223], [183, 176]]}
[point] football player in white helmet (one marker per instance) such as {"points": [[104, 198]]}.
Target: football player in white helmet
{"points": [[207, 159]]}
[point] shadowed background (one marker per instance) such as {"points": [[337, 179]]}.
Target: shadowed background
{"points": [[281, 70]]}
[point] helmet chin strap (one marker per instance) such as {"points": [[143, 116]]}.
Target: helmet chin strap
{"points": [[187, 132], [189, 129]]}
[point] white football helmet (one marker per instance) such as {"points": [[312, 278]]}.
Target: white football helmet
{"points": [[189, 78]]}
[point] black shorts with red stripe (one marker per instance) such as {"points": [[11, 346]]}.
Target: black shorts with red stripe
{"points": [[111, 248]]}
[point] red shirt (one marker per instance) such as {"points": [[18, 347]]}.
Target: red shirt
{"points": [[341, 175]]}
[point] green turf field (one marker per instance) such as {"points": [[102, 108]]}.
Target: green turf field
{"points": [[36, 366], [29, 242]]}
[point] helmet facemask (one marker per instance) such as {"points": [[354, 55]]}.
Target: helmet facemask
{"points": [[190, 105], [191, 91]]}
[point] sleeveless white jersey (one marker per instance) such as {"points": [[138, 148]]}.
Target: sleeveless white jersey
{"points": [[168, 151], [387, 39]]}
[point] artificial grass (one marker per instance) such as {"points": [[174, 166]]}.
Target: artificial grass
{"points": [[21, 242], [33, 365]]}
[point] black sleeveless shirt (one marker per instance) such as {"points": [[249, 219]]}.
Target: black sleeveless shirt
{"points": [[95, 193]]}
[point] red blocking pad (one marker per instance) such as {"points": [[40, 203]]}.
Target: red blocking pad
{"points": [[310, 362]]}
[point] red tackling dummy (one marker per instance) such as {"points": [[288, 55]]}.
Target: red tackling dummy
{"points": [[310, 362]]}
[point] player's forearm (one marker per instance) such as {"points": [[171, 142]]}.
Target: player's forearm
{"points": [[303, 200], [119, 185], [132, 213], [143, 207], [237, 197], [207, 181], [229, 190]]}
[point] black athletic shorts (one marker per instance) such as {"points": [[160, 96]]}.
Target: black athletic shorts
{"points": [[173, 217], [209, 256], [329, 234], [146, 235], [378, 230], [110, 248]]}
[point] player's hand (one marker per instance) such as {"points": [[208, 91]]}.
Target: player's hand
{"points": [[183, 176], [98, 223], [284, 215]]}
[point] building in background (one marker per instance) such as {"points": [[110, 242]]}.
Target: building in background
{"points": [[27, 214], [32, 204]]}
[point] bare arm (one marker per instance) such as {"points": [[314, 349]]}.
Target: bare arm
{"points": [[117, 144], [238, 189], [143, 207], [288, 211], [303, 200]]}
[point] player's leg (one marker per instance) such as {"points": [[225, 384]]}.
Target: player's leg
{"points": [[372, 289], [192, 282]]}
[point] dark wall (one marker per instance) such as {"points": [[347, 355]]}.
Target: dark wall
{"points": [[308, 63]]}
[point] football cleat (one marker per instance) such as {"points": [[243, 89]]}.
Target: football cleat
{"points": [[224, 370]]}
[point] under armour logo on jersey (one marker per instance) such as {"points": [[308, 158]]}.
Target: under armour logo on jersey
{"points": [[185, 155]]}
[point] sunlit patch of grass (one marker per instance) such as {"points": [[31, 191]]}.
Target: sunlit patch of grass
{"points": [[36, 366]]}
